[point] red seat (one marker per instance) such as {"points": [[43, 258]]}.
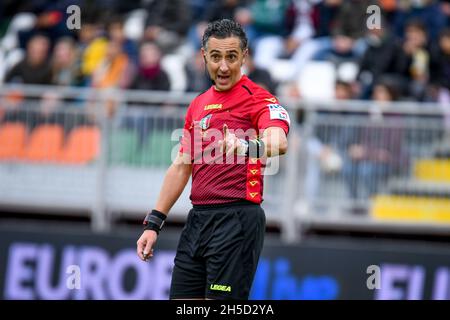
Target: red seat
{"points": [[82, 147], [45, 143], [12, 140]]}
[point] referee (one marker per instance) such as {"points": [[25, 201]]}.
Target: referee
{"points": [[229, 131]]}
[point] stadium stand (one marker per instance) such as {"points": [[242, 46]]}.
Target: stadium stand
{"points": [[403, 62], [424, 197]]}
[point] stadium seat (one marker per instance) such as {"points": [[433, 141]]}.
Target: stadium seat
{"points": [[157, 150], [324, 75], [432, 170], [348, 72], [123, 147], [173, 65], [82, 147], [443, 152], [45, 144], [134, 25], [412, 209], [282, 70], [12, 140]]}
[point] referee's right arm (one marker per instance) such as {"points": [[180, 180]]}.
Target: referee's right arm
{"points": [[174, 182]]}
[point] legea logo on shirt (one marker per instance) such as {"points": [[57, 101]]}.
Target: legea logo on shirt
{"points": [[213, 106]]}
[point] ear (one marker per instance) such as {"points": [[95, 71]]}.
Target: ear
{"points": [[204, 55], [245, 56]]}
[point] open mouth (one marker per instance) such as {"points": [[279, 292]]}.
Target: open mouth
{"points": [[223, 78]]}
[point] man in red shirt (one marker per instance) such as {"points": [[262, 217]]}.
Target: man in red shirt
{"points": [[229, 131]]}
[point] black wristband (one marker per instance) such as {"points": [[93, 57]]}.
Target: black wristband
{"points": [[154, 221], [255, 148]]}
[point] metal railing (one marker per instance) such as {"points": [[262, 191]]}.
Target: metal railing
{"points": [[342, 155]]}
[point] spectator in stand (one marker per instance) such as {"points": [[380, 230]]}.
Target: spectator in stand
{"points": [[389, 8], [199, 79], [385, 91], [116, 33], [167, 23], [445, 9], [378, 59], [280, 29], [65, 67], [324, 16], [352, 17], [150, 75], [115, 70], [337, 36], [92, 48], [374, 152], [324, 147], [260, 76], [50, 20], [198, 9], [440, 68], [35, 67], [342, 50], [347, 30], [412, 60], [346, 20], [430, 12], [440, 76], [221, 9]]}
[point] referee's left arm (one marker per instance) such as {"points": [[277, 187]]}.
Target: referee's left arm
{"points": [[275, 141]]}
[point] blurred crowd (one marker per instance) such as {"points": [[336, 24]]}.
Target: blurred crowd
{"points": [[154, 45]]}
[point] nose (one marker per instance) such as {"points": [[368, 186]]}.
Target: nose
{"points": [[223, 66]]}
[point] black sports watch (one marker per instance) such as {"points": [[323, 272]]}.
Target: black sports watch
{"points": [[154, 221]]}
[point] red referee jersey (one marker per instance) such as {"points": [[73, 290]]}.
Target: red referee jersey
{"points": [[246, 109]]}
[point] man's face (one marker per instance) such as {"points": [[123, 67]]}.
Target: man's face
{"points": [[37, 50], [444, 43], [224, 59], [149, 55]]}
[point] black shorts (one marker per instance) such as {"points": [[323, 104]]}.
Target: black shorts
{"points": [[218, 252]]}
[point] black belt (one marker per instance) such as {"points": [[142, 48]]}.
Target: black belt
{"points": [[223, 205]]}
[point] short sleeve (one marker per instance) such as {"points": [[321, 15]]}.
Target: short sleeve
{"points": [[270, 113]]}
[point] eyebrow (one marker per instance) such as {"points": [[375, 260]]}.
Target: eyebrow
{"points": [[228, 51]]}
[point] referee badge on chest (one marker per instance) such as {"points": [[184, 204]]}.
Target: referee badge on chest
{"points": [[205, 122]]}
